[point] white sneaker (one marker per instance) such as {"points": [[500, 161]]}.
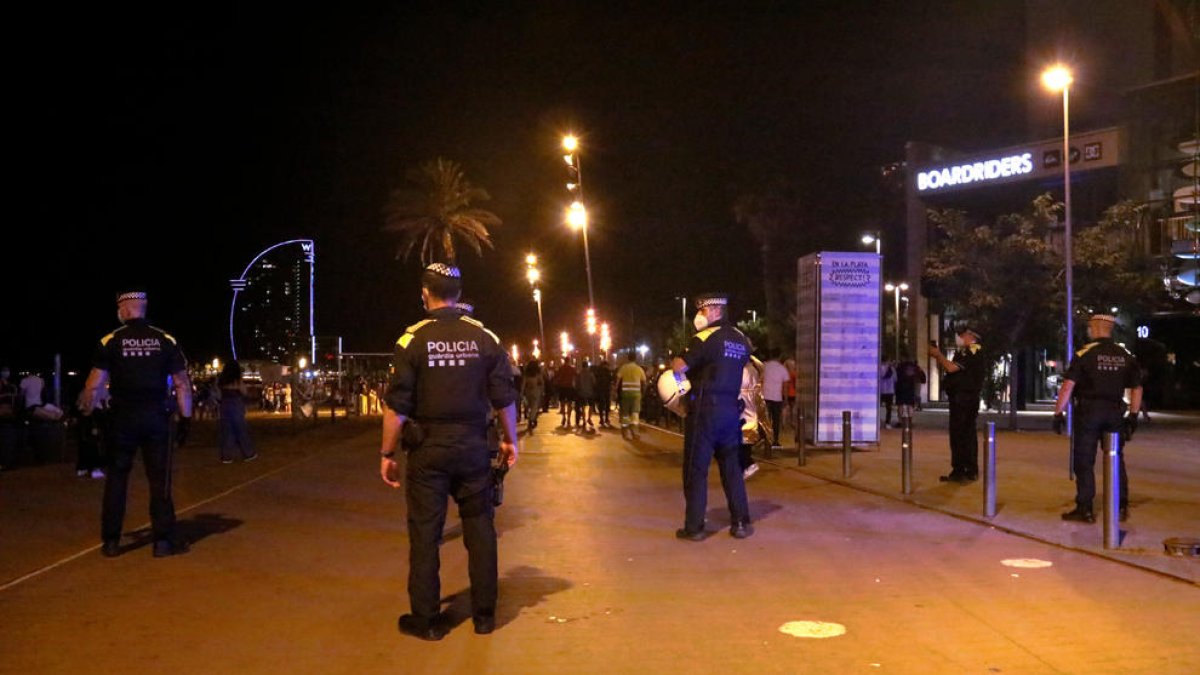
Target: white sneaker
{"points": [[97, 473], [750, 471]]}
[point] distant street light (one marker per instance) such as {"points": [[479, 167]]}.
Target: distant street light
{"points": [[874, 238], [534, 275], [895, 290]]}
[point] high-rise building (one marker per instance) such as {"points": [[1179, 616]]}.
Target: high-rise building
{"points": [[271, 316]]}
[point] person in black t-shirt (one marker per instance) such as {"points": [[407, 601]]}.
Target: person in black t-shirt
{"points": [[135, 361], [1097, 379], [963, 382]]}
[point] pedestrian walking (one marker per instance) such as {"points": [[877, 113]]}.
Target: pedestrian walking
{"points": [[450, 373], [135, 362], [533, 389], [909, 378], [775, 378], [887, 389], [564, 384], [604, 384], [631, 380], [714, 361], [234, 434], [963, 382], [1096, 382], [585, 393]]}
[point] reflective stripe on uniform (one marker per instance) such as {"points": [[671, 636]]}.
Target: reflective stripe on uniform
{"points": [[478, 324], [704, 334]]}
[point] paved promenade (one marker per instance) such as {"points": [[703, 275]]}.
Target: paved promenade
{"points": [[299, 565]]}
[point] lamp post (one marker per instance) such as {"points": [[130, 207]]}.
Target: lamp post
{"points": [[874, 238], [895, 290], [534, 275], [1055, 78], [577, 216]]}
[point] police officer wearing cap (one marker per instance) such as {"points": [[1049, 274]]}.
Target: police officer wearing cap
{"points": [[449, 374], [713, 361], [135, 361], [1097, 379], [963, 382]]}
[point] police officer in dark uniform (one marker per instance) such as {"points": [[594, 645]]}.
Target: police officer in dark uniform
{"points": [[713, 361], [963, 382], [135, 361], [449, 373], [1097, 379]]}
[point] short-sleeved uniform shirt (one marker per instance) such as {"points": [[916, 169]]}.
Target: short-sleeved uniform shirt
{"points": [[139, 359], [715, 358], [972, 371], [449, 369], [1103, 370]]}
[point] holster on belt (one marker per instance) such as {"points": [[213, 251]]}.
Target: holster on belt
{"points": [[412, 436]]}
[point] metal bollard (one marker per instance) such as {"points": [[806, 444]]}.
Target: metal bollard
{"points": [[801, 435], [845, 444], [989, 473], [906, 456], [1112, 490]]}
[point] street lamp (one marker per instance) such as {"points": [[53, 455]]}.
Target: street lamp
{"points": [[577, 214], [534, 275], [895, 290], [1055, 78], [874, 238]]}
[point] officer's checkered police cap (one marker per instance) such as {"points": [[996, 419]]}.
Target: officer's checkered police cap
{"points": [[1103, 317], [131, 293], [444, 270], [466, 306], [712, 299], [442, 279]]}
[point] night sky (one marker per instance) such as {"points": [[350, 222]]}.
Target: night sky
{"points": [[168, 145]]}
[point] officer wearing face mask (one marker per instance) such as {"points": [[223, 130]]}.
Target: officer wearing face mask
{"points": [[1097, 379], [713, 363], [449, 374], [963, 381]]}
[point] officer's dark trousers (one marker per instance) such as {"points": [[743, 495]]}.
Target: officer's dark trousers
{"points": [[964, 437], [452, 462], [1092, 420], [713, 429], [139, 427]]}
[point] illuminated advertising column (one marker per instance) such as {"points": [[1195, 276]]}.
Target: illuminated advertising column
{"points": [[838, 344]]}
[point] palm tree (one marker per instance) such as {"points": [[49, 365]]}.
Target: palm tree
{"points": [[774, 216], [435, 210]]}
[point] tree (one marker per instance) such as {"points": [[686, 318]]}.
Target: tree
{"points": [[1112, 269], [774, 219], [1004, 277], [435, 211]]}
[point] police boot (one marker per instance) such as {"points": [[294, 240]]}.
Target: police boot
{"points": [[1079, 515]]}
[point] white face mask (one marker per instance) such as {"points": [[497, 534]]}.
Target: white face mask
{"points": [[959, 342], [701, 321]]}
